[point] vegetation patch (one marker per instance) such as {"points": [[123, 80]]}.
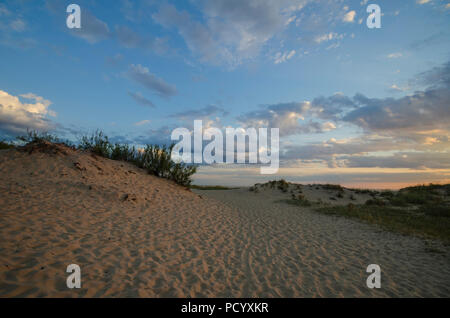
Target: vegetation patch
{"points": [[297, 202], [404, 221], [155, 159], [6, 145], [420, 195], [334, 187]]}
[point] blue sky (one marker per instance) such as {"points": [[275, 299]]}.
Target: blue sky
{"points": [[338, 90]]}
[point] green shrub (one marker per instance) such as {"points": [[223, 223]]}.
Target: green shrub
{"points": [[155, 159], [387, 194], [394, 219], [123, 152], [283, 185], [436, 210], [376, 202], [298, 201], [333, 187], [398, 201], [363, 191], [414, 196], [6, 145], [36, 137], [303, 201], [98, 143], [181, 173], [158, 161]]}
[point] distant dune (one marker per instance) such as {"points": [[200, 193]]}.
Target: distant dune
{"points": [[136, 235]]}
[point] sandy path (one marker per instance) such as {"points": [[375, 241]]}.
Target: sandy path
{"points": [[290, 251], [136, 235]]}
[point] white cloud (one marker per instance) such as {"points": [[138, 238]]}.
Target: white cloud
{"points": [[283, 57], [17, 116], [333, 46], [288, 117], [328, 37], [328, 126], [422, 1], [349, 16], [396, 88], [394, 55], [230, 31]]}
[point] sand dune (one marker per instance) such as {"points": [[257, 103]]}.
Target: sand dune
{"points": [[135, 235]]}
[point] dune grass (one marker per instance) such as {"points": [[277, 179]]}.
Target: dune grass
{"points": [[157, 160], [409, 222], [420, 195], [422, 211], [298, 201], [5, 145]]}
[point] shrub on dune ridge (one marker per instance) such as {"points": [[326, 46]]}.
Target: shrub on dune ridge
{"points": [[123, 153], [33, 136], [98, 143], [283, 185], [157, 160], [5, 145], [181, 173]]}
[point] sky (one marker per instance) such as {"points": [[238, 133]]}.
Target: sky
{"points": [[359, 106]]}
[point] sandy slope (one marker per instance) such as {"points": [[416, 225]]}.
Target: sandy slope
{"points": [[135, 235]]}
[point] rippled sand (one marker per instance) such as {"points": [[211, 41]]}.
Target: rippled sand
{"points": [[135, 235]]}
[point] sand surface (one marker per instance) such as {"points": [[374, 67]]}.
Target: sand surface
{"points": [[135, 235]]}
